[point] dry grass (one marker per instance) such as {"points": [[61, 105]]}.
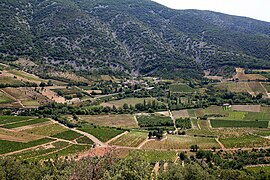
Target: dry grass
{"points": [[69, 76], [180, 114], [11, 135], [129, 101], [132, 139], [247, 108], [124, 120], [182, 142], [240, 74], [46, 130], [257, 88], [28, 96]]}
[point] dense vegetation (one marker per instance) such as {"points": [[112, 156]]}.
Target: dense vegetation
{"points": [[136, 167], [106, 37]]}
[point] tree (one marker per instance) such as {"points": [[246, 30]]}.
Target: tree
{"points": [[125, 106], [42, 84], [150, 134], [194, 148], [182, 156]]}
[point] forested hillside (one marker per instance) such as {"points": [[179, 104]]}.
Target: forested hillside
{"points": [[130, 36]]}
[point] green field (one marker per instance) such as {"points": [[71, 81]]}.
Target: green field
{"points": [[259, 170], [156, 155], [68, 135], [235, 123], [10, 146], [5, 99], [153, 120], [84, 140], [12, 119], [10, 81], [181, 88], [102, 133], [25, 75], [244, 141], [257, 116], [183, 123], [267, 85], [25, 123]]}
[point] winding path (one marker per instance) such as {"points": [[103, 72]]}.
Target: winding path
{"points": [[93, 138]]}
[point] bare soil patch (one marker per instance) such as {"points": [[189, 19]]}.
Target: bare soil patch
{"points": [[124, 120], [12, 135], [180, 114], [247, 108]]}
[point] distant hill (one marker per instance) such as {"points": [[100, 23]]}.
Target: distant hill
{"points": [[130, 36]]}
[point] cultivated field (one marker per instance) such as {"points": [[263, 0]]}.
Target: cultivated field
{"points": [[38, 138], [11, 135], [181, 142], [46, 130], [124, 120], [67, 135], [13, 119], [154, 120], [240, 75], [102, 133], [131, 139], [244, 141], [129, 101], [247, 108], [238, 87], [257, 88], [27, 96], [25, 123], [235, 123], [180, 114]]}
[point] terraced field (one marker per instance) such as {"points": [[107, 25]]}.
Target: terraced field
{"points": [[131, 139]]}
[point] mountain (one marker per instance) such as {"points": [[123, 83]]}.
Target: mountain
{"points": [[130, 37]]}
